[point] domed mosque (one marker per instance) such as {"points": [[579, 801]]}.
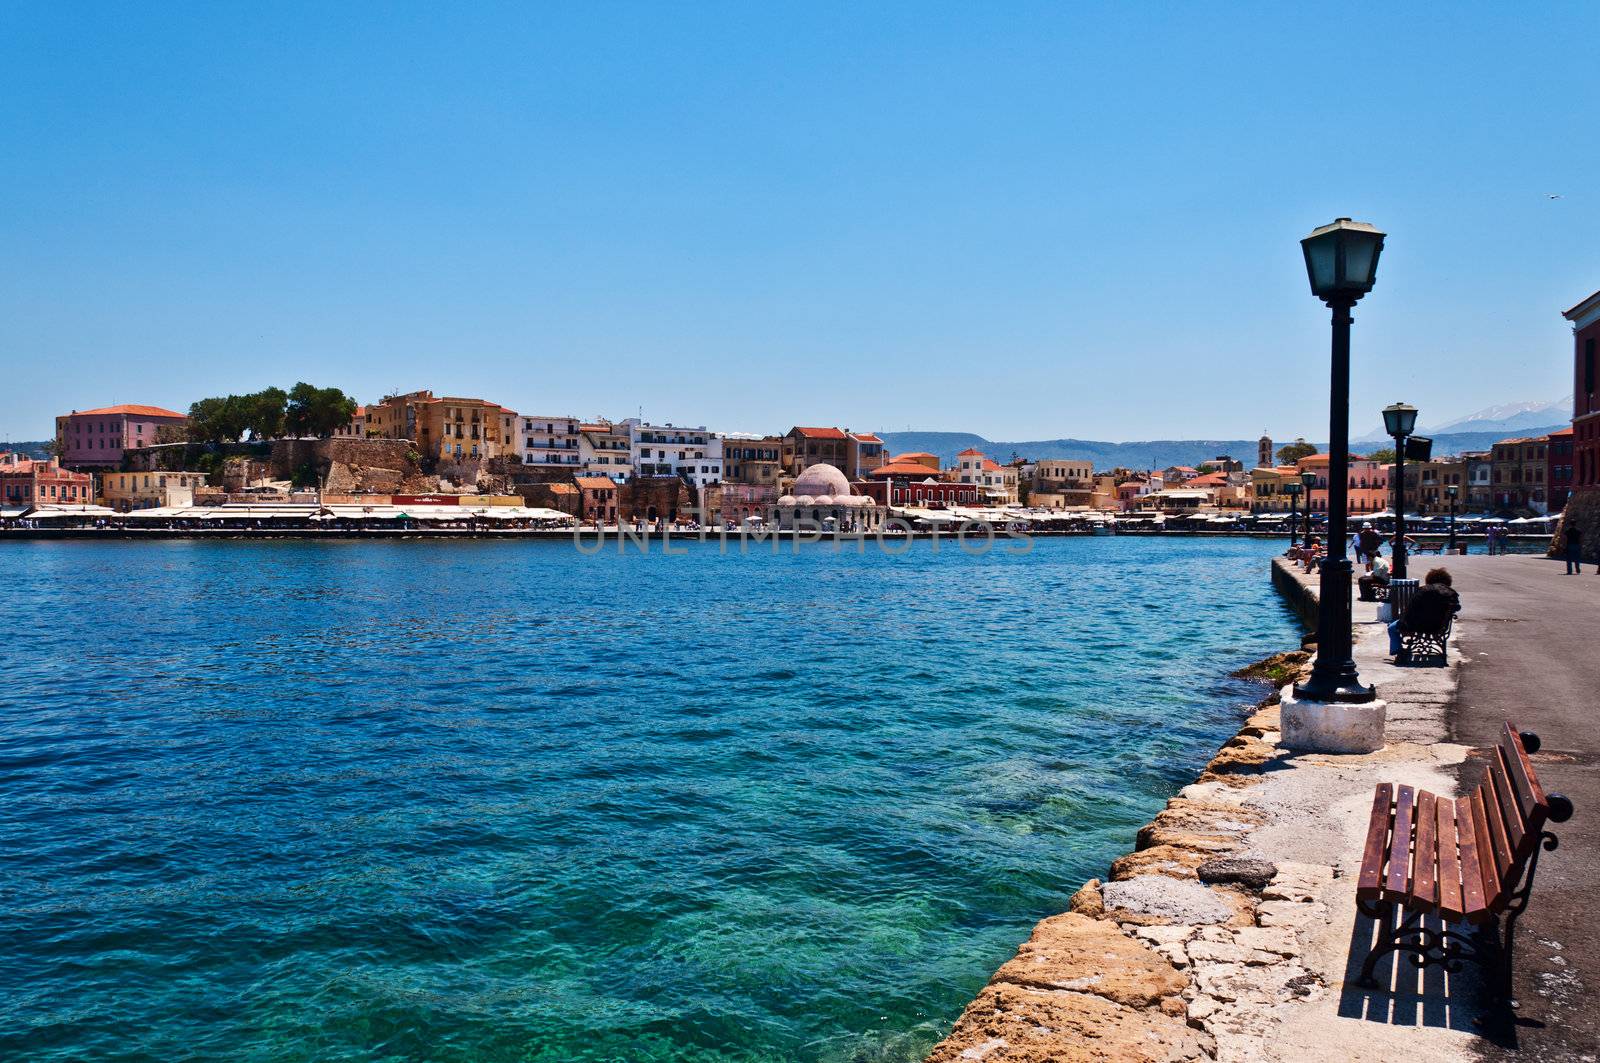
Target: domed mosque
{"points": [[823, 500]]}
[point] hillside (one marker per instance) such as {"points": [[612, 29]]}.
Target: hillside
{"points": [[1149, 454]]}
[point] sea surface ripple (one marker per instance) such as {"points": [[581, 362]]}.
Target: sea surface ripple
{"points": [[274, 801]]}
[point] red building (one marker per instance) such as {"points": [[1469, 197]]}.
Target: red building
{"points": [[1585, 318], [911, 483], [25, 482], [1558, 468]]}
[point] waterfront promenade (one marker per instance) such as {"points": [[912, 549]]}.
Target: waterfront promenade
{"points": [[1527, 638]]}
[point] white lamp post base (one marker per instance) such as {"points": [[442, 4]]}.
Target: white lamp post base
{"points": [[1331, 726]]}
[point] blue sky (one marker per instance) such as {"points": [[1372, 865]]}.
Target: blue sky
{"points": [[1021, 220]]}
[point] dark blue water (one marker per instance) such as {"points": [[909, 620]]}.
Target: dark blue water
{"points": [[497, 801]]}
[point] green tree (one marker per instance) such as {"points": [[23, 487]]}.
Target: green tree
{"points": [[314, 411], [1384, 456], [265, 410], [1290, 453]]}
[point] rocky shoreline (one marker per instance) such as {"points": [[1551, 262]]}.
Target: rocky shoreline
{"points": [[1228, 932], [1185, 938]]}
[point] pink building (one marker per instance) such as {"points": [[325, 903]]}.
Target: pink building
{"points": [[25, 482], [97, 438], [1368, 490]]}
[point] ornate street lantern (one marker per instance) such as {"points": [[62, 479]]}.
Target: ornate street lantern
{"points": [[1342, 260]]}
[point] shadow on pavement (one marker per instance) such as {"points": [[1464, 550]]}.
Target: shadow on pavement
{"points": [[1406, 995]]}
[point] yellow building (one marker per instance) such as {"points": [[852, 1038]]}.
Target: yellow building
{"points": [[124, 491], [448, 428]]}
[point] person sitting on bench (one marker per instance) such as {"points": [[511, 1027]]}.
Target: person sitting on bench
{"points": [[1431, 609], [1378, 578]]}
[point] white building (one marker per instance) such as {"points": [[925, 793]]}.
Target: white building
{"points": [[693, 454], [997, 483], [604, 449], [548, 441]]}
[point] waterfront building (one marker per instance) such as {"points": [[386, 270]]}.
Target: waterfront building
{"points": [[1267, 494], [1368, 487], [1134, 488], [1585, 319], [97, 439], [1062, 482], [866, 453], [356, 429], [1426, 482], [1105, 492], [996, 483], [918, 457], [823, 498], [1173, 475], [905, 482], [32, 482], [446, 428], [550, 441], [604, 450], [1478, 494], [1519, 474], [128, 491], [598, 499], [752, 459], [740, 503], [694, 455], [1558, 468]]}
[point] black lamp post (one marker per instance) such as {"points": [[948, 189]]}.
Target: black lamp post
{"points": [[1308, 480], [1341, 263], [1399, 420], [1450, 493], [1292, 489]]}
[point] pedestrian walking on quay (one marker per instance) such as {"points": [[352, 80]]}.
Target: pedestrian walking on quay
{"points": [[1575, 552], [1371, 543]]}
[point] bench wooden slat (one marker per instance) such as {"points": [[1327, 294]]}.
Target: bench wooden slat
{"points": [[1510, 814], [1450, 902], [1398, 880], [1474, 905], [1369, 887], [1425, 853], [1524, 781], [1491, 839]]}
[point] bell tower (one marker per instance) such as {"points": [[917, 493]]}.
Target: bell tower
{"points": [[1264, 451]]}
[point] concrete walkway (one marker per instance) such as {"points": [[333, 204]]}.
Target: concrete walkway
{"points": [[1529, 636]]}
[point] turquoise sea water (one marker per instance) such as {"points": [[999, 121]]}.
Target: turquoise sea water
{"points": [[499, 801]]}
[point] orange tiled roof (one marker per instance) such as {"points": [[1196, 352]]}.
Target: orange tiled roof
{"points": [[866, 437], [821, 433], [593, 483], [990, 465], [130, 409], [914, 455], [901, 468], [970, 452]]}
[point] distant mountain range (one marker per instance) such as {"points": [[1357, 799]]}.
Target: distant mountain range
{"points": [[1155, 453], [1507, 419]]}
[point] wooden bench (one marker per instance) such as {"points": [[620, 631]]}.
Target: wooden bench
{"points": [[1469, 861], [1420, 644]]}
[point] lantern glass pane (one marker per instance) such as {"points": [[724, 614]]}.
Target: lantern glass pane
{"points": [[1320, 262], [1360, 260]]}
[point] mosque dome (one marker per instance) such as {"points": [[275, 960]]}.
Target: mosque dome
{"points": [[822, 500], [822, 479]]}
